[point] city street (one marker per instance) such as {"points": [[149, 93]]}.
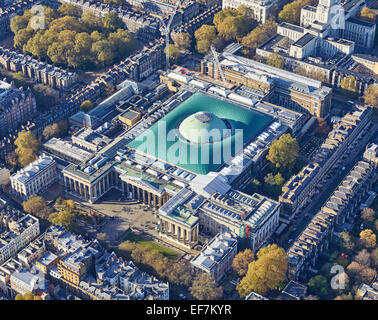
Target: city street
{"points": [[318, 201]]}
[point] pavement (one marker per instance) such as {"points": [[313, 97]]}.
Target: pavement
{"points": [[123, 215]]}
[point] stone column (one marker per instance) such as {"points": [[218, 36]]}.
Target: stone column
{"points": [[155, 201], [75, 187], [133, 191], [103, 186], [90, 190], [128, 190], [178, 233]]}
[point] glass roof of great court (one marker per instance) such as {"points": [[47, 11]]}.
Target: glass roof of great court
{"points": [[187, 154]]}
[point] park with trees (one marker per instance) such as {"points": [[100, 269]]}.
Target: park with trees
{"points": [[74, 39], [162, 263]]}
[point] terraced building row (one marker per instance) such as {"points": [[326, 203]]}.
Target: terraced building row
{"points": [[340, 210]]}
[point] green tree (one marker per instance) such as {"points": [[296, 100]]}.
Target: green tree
{"points": [[182, 40], [103, 52], [20, 22], [204, 287], [371, 98], [37, 206], [67, 9], [92, 21], [51, 131], [347, 240], [371, 95], [275, 60], [112, 21], [242, 260], [73, 39], [291, 12], [174, 54], [318, 285], [119, 2], [27, 147], [22, 37], [81, 55], [66, 23], [274, 183], [265, 273], [259, 35], [234, 24], [205, 36], [27, 296], [283, 152], [63, 218], [122, 42]]}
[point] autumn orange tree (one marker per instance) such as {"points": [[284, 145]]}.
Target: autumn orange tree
{"points": [[27, 147], [37, 206], [368, 215], [204, 287], [368, 238], [242, 260], [283, 152], [265, 273], [371, 95], [322, 128], [27, 296]]}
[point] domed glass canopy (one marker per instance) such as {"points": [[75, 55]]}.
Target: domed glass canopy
{"points": [[204, 127]]}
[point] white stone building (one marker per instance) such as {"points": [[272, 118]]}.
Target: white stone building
{"points": [[35, 177], [24, 281], [20, 233], [326, 30], [262, 9], [216, 258]]}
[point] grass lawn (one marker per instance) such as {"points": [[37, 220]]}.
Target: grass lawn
{"points": [[150, 245]]}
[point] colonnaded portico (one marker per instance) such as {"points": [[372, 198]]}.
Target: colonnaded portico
{"points": [[139, 189], [90, 190]]}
